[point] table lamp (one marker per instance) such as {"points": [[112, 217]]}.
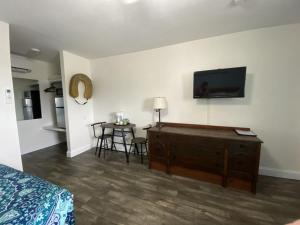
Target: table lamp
{"points": [[159, 103]]}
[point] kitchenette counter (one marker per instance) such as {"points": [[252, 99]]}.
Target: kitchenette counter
{"points": [[54, 128]]}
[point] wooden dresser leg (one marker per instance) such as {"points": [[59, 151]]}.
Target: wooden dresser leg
{"points": [[225, 173], [256, 169], [253, 187]]}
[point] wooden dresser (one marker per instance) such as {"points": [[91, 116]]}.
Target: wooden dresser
{"points": [[209, 153]]}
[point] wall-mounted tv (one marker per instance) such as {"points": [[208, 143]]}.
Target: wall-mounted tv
{"points": [[220, 83]]}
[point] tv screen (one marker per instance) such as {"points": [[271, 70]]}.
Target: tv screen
{"points": [[221, 83]]}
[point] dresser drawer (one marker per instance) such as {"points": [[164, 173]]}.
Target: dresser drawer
{"points": [[194, 153], [242, 160], [242, 146], [158, 147]]}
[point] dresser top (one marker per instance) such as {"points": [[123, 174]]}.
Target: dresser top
{"points": [[225, 133]]}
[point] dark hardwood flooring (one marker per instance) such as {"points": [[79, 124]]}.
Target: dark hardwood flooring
{"points": [[111, 192]]}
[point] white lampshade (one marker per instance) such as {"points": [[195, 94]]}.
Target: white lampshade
{"points": [[159, 103]]}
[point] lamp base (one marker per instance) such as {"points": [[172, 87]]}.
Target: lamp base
{"points": [[159, 125]]}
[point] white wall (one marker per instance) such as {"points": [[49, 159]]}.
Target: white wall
{"points": [[271, 107], [32, 135], [78, 117], [10, 149]]}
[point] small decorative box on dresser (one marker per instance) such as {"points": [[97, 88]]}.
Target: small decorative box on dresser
{"points": [[210, 153]]}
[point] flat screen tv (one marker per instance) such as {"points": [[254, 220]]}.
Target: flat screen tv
{"points": [[221, 83]]}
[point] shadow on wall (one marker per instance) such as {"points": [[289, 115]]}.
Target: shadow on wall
{"points": [[148, 107], [187, 85], [266, 156], [112, 117]]}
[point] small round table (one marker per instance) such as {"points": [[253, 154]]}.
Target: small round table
{"points": [[121, 128]]}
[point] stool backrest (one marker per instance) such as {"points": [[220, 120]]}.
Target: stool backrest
{"points": [[146, 129], [95, 126]]}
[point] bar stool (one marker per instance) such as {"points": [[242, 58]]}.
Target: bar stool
{"points": [[140, 141], [105, 137]]}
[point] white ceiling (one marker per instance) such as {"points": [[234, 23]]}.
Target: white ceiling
{"points": [[98, 28]]}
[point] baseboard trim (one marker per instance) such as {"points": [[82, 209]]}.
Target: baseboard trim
{"points": [[289, 174], [42, 148], [78, 151]]}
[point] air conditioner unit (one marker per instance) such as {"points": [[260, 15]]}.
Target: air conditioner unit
{"points": [[20, 64]]}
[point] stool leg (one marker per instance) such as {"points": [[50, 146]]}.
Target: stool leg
{"points": [[106, 145], [125, 146], [141, 151], [102, 136], [130, 148], [112, 139], [104, 149], [115, 147], [146, 150], [136, 148], [100, 148], [97, 145]]}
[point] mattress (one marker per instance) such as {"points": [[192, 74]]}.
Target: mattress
{"points": [[29, 200]]}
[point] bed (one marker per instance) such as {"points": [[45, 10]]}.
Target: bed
{"points": [[29, 200]]}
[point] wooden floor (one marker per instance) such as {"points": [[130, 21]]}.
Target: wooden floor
{"points": [[111, 192]]}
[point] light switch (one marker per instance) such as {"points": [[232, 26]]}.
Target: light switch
{"points": [[8, 96]]}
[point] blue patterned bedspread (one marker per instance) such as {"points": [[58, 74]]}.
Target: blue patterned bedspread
{"points": [[29, 200]]}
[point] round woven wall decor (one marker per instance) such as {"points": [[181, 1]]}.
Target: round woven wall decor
{"points": [[88, 87]]}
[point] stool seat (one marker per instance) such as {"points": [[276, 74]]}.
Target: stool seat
{"points": [[105, 136], [139, 140]]}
